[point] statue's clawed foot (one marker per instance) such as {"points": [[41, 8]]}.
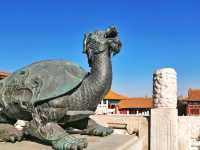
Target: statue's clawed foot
{"points": [[99, 130], [68, 142], [55, 135], [9, 133]]}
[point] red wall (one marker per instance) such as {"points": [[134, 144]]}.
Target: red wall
{"points": [[193, 109], [123, 111]]}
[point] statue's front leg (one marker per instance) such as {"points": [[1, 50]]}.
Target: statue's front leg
{"points": [[97, 130], [8, 133], [52, 133]]}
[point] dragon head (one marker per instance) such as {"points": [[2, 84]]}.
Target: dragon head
{"points": [[100, 41]]}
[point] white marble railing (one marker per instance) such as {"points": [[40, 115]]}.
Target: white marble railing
{"points": [[133, 124]]}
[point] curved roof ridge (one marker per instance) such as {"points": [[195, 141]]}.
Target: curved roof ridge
{"points": [[115, 96], [136, 102], [3, 74]]}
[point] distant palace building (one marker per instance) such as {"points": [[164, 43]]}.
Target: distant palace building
{"points": [[137, 106], [114, 103], [3, 75], [109, 103], [193, 102]]}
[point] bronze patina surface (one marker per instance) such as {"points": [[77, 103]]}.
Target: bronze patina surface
{"points": [[42, 80], [54, 97]]}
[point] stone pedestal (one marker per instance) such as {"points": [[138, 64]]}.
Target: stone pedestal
{"points": [[111, 142], [164, 115]]}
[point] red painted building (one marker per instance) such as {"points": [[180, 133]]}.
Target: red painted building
{"points": [[193, 102], [136, 106], [114, 103], [113, 98]]}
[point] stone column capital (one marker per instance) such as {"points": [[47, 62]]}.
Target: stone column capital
{"points": [[165, 88]]}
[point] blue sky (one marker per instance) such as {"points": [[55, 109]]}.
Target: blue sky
{"points": [[154, 34]]}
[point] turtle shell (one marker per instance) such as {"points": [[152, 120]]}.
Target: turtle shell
{"points": [[42, 80]]}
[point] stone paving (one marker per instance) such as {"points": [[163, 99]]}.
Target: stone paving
{"points": [[112, 142]]}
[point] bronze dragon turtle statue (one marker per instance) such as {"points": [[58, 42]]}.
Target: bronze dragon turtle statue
{"points": [[55, 95]]}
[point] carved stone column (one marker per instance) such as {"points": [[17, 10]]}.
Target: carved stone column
{"points": [[164, 116], [165, 88]]}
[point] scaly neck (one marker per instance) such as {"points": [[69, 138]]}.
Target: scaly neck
{"points": [[101, 68], [100, 78]]}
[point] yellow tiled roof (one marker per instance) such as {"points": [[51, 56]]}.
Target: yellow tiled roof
{"points": [[115, 96], [136, 102], [4, 75], [193, 95]]}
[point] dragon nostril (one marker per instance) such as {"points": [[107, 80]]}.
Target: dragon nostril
{"points": [[111, 33]]}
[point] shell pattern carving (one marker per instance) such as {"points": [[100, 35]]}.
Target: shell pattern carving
{"points": [[21, 90]]}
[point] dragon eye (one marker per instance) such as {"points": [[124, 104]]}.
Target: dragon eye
{"points": [[22, 72]]}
